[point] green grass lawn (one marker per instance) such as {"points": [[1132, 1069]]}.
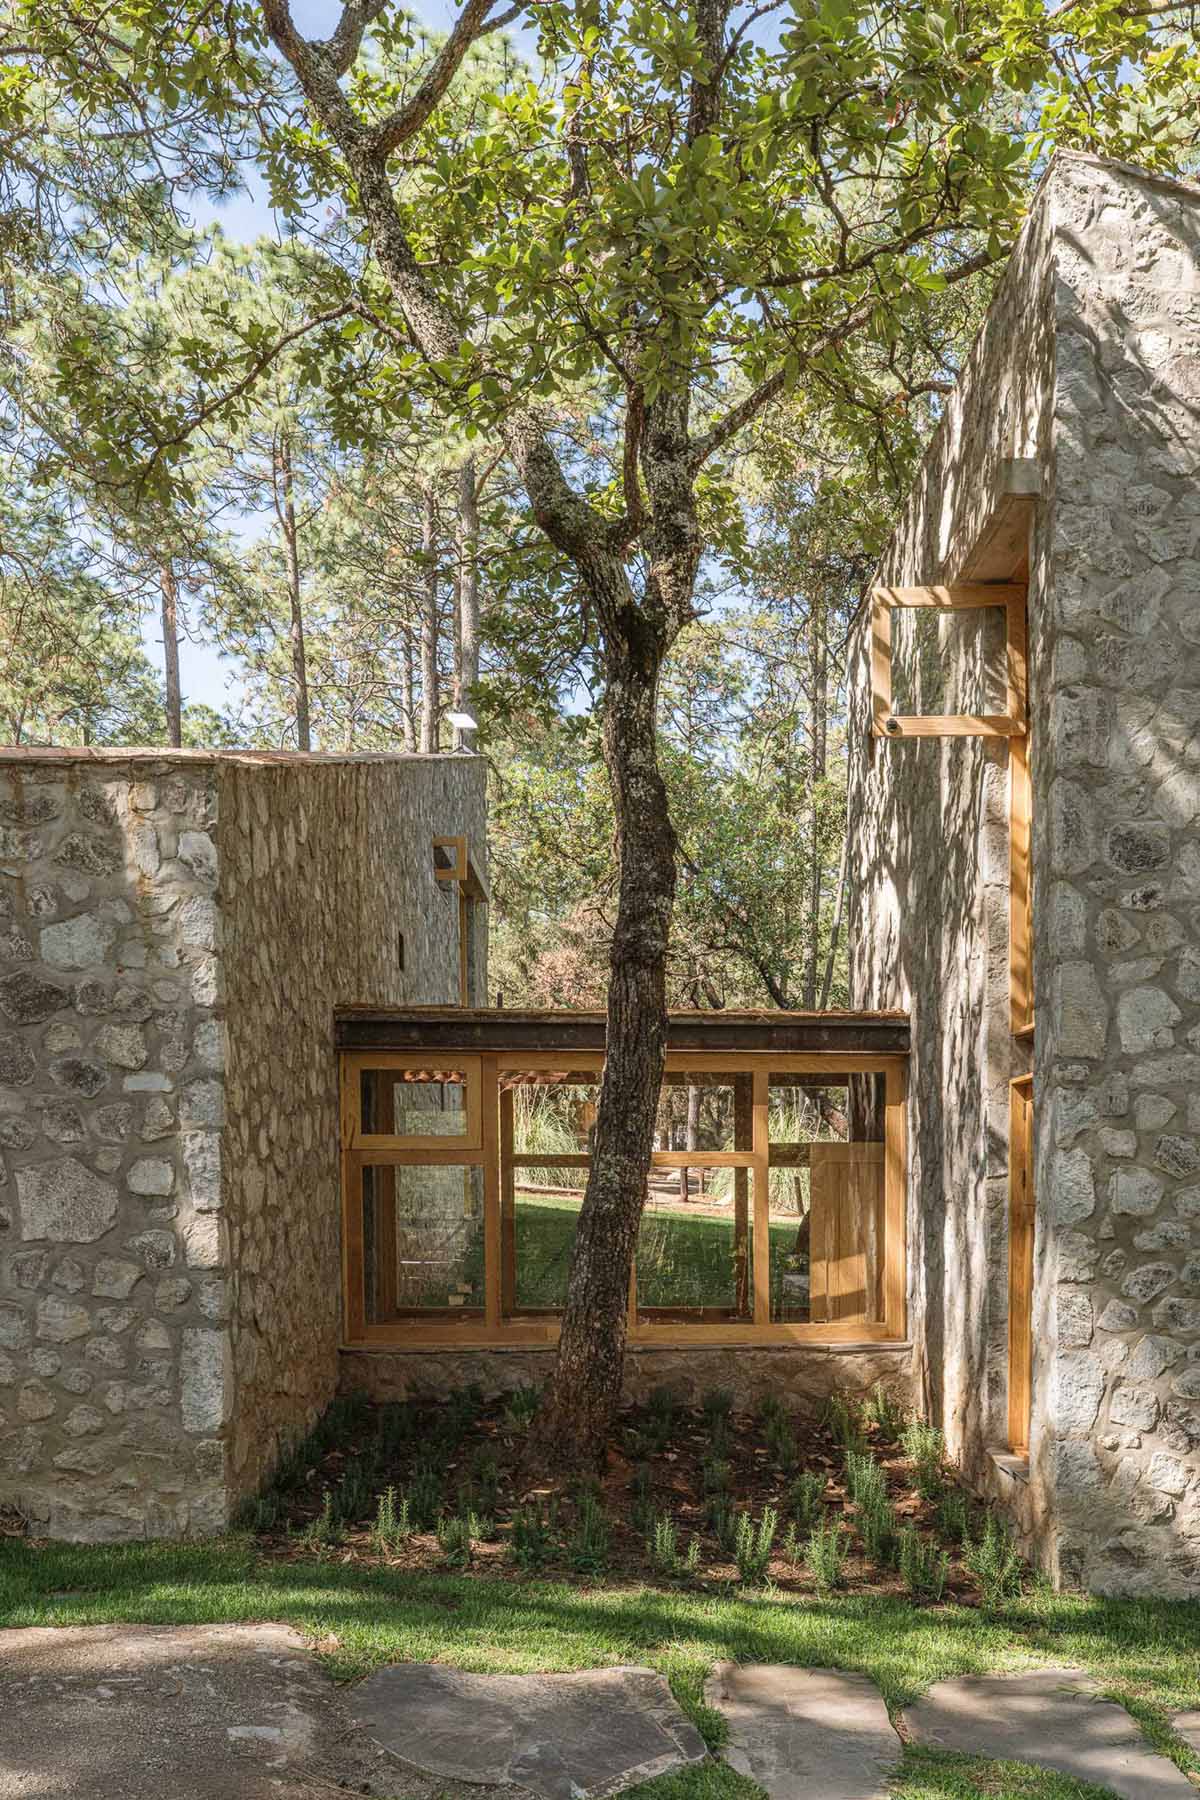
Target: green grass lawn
{"points": [[683, 1259], [1147, 1653]]}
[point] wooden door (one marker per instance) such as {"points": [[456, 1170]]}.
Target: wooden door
{"points": [[1021, 1214], [846, 1232]]}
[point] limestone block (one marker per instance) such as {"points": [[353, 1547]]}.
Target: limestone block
{"points": [[65, 1202], [1146, 1017], [80, 942], [205, 1373]]}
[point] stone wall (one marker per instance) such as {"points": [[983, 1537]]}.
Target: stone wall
{"points": [[1089, 362], [175, 932], [806, 1376]]}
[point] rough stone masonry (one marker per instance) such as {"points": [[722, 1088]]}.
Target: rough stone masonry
{"points": [[175, 932], [1087, 370]]}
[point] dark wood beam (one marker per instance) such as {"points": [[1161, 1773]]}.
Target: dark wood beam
{"points": [[443, 1028]]}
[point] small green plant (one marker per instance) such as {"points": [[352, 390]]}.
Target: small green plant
{"points": [[392, 1526], [791, 1548], [994, 1561], [458, 1536], [877, 1528], [716, 1405], [482, 1486], [262, 1514], [716, 1476], [424, 1497], [781, 1442], [771, 1409], [721, 1520], [396, 1428], [664, 1404], [881, 1410], [641, 1510], [662, 1546], [588, 1548], [534, 1529], [953, 1517], [844, 1421], [923, 1565], [520, 1409], [805, 1499], [354, 1493], [925, 1448], [864, 1479], [825, 1554], [324, 1528], [752, 1545]]}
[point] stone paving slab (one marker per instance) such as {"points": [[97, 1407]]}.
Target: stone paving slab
{"points": [[149, 1712], [804, 1733], [1051, 1717], [564, 1737], [1187, 1724]]}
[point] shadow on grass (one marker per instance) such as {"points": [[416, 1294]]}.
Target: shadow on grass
{"points": [[1145, 1652]]}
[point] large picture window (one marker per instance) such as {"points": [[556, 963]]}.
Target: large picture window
{"points": [[774, 1208]]}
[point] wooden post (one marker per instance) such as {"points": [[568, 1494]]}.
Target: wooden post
{"points": [[489, 1102], [387, 1248], [743, 1139], [760, 1138], [895, 1205], [508, 1204]]}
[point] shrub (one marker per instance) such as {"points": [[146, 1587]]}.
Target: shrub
{"points": [[877, 1528], [995, 1563], [881, 1410], [721, 1520], [925, 1448], [641, 1511], [923, 1565], [520, 1409], [864, 1479], [424, 1497], [589, 1545], [397, 1427], [752, 1544], [825, 1554], [844, 1422], [953, 1519], [262, 1514], [392, 1526], [781, 1442], [324, 1528], [771, 1409], [459, 1535], [805, 1499], [482, 1487], [533, 1534], [715, 1406], [664, 1405], [662, 1548], [716, 1476]]}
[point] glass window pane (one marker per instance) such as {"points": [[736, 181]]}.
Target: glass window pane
{"points": [[414, 1102], [826, 1198], [544, 1116], [693, 1251], [422, 1241], [704, 1111]]}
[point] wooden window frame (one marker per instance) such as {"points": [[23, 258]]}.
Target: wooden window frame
{"points": [[492, 1150], [356, 1062], [1022, 1226], [961, 597], [472, 890], [1020, 890]]}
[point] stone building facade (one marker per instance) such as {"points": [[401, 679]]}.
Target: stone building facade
{"points": [[1069, 456], [176, 931]]}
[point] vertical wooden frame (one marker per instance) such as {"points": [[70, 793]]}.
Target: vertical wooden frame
{"points": [[1020, 899], [355, 1138], [508, 1203], [1022, 1219], [895, 1204], [489, 1100], [760, 1140]]}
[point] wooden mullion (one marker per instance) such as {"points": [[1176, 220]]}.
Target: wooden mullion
{"points": [[743, 1138], [895, 1206], [1021, 1228], [508, 1204], [492, 1273], [760, 1170]]}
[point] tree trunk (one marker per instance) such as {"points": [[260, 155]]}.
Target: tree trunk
{"points": [[408, 682], [291, 545], [170, 633], [575, 1421], [467, 632], [429, 623], [818, 684]]}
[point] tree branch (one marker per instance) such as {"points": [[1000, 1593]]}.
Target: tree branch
{"points": [[408, 119]]}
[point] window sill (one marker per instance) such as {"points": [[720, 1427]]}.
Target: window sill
{"points": [[1005, 1463]]}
